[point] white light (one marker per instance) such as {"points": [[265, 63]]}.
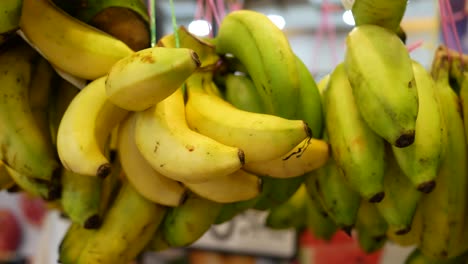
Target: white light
{"points": [[200, 27], [277, 20], [348, 17]]}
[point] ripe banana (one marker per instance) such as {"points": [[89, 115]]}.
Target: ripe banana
{"points": [[9, 20], [401, 198], [379, 69], [356, 148], [261, 136], [310, 103], [24, 147], [371, 227], [387, 14], [265, 52], [146, 180], [240, 91], [290, 213], [81, 199], [338, 199], [444, 209], [307, 156], [420, 162], [116, 237], [186, 223], [237, 186], [146, 77], [85, 128], [164, 139]]}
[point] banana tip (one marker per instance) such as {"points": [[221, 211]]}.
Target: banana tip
{"points": [[93, 222], [377, 198], [405, 139], [427, 187], [403, 231], [241, 156], [104, 170]]}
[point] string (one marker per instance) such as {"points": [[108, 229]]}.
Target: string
{"points": [[221, 8], [214, 12], [174, 24], [151, 9], [199, 10], [454, 28], [443, 20]]}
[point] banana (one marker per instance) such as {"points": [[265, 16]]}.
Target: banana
{"points": [[214, 89], [69, 44], [146, 77], [112, 242], [412, 237], [9, 20], [266, 53], [387, 14], [417, 257], [230, 210], [371, 227], [401, 199], [206, 51], [47, 190], [290, 213], [322, 85], [73, 242], [338, 199], [420, 162], [157, 243], [6, 181], [146, 180], [356, 148], [460, 75], [240, 91], [237, 186], [383, 83], [24, 147], [85, 128], [81, 199], [164, 139], [310, 102], [260, 136], [185, 224], [307, 156], [276, 191], [444, 209], [318, 221]]}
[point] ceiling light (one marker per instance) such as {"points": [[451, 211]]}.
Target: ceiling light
{"points": [[200, 27]]}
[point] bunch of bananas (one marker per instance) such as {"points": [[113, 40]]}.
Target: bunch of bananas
{"points": [[161, 142]]}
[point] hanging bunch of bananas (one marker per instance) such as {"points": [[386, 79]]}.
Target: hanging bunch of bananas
{"points": [[162, 142]]}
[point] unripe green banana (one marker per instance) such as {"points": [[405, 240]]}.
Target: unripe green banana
{"points": [[358, 151], [420, 162], [267, 55], [384, 13], [241, 92], [290, 213], [47, 190], [128, 219], [412, 238], [401, 198], [11, 12], [186, 223], [371, 227], [6, 181], [444, 209], [73, 242], [379, 70]]}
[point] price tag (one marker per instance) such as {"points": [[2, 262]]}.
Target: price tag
{"points": [[247, 234]]}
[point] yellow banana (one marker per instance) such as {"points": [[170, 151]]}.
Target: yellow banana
{"points": [[85, 128], [146, 180], [69, 44], [128, 219], [379, 69], [146, 77], [265, 52], [307, 156], [356, 148], [420, 162], [444, 209], [9, 20], [25, 149], [164, 139], [237, 186], [260, 136]]}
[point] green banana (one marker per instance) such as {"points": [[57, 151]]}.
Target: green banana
{"points": [[290, 213], [444, 209], [22, 141], [417, 257], [379, 70], [310, 103], [356, 148], [384, 13], [412, 237], [128, 219], [47, 190], [401, 199], [73, 243], [9, 20], [186, 223], [420, 162], [371, 228], [158, 243], [81, 198], [6, 181], [240, 91], [267, 55]]}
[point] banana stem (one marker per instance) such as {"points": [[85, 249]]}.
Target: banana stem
{"points": [[151, 5]]}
